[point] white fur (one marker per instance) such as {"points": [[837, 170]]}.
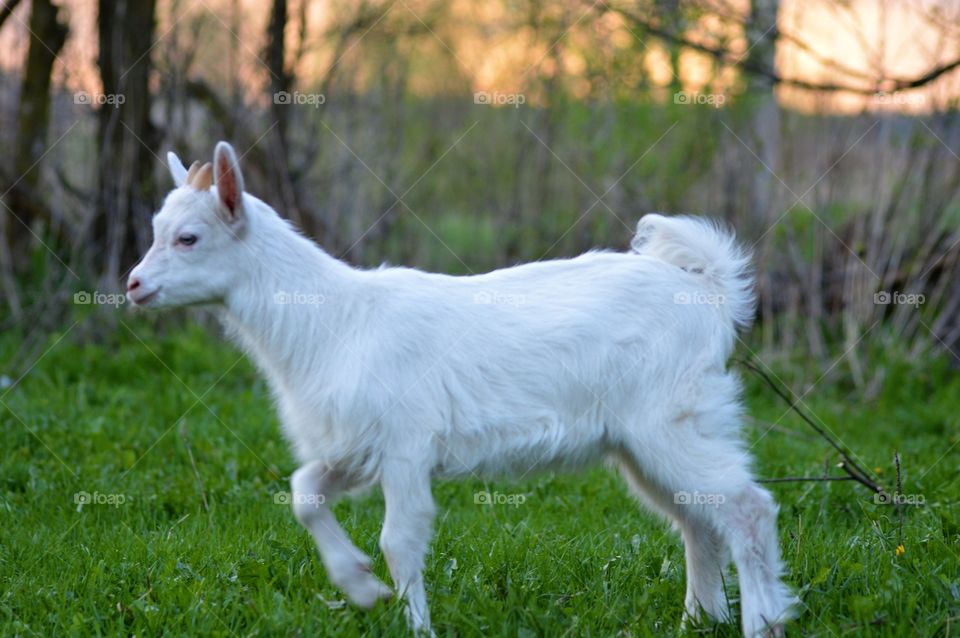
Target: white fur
{"points": [[396, 376]]}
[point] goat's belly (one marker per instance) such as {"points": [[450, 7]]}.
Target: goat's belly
{"points": [[518, 452]]}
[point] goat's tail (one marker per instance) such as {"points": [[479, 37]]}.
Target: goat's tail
{"points": [[703, 247]]}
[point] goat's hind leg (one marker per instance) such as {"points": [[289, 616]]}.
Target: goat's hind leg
{"points": [[707, 557], [748, 520], [708, 479], [706, 552], [314, 487]]}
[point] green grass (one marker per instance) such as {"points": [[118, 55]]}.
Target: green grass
{"points": [[578, 558]]}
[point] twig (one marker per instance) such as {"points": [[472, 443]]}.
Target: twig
{"points": [[764, 425], [848, 465]]}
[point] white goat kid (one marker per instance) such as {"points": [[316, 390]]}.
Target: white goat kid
{"points": [[397, 376]]}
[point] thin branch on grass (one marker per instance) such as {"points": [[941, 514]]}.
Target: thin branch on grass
{"points": [[848, 465], [811, 479]]}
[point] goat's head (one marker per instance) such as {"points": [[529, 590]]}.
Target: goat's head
{"points": [[198, 236]]}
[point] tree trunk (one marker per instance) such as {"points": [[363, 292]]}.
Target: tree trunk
{"points": [[671, 18], [29, 212], [280, 80], [762, 33], [281, 110], [126, 137]]}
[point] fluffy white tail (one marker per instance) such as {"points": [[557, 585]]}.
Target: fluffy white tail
{"points": [[705, 248]]}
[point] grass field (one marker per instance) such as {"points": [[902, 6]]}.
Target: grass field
{"points": [[174, 444]]}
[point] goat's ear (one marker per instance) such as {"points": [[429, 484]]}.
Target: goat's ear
{"points": [[177, 170], [226, 173]]}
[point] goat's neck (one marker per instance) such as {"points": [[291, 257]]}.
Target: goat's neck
{"points": [[291, 305]]}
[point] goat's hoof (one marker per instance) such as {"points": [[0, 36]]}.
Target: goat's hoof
{"points": [[364, 589]]}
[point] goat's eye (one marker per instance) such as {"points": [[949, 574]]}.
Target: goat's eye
{"points": [[187, 239]]}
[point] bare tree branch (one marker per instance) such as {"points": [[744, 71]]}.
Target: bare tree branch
{"points": [[724, 56], [7, 10]]}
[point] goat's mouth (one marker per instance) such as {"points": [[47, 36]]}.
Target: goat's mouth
{"points": [[143, 300]]}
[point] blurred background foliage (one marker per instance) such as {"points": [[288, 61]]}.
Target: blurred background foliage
{"points": [[462, 136]]}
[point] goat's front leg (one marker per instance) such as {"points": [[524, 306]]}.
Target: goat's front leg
{"points": [[314, 488], [405, 538]]}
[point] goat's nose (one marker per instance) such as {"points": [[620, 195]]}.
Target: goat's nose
{"points": [[133, 283]]}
